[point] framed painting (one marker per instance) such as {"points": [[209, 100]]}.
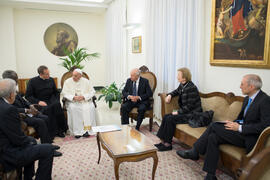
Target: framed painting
{"points": [[137, 44], [240, 33]]}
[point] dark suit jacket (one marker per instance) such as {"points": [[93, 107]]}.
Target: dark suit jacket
{"points": [[257, 118], [21, 104], [12, 139], [144, 90]]}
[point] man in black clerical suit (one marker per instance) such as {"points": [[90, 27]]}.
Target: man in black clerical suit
{"points": [[41, 90], [18, 150], [243, 132], [136, 93]]}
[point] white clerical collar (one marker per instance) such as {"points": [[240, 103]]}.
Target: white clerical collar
{"points": [[42, 78]]}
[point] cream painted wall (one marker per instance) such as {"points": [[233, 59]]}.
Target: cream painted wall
{"points": [[7, 45], [225, 79], [136, 15], [30, 26]]}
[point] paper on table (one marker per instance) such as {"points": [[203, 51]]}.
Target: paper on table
{"points": [[106, 128]]}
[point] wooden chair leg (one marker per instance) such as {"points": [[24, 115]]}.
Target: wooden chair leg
{"points": [[150, 124]]}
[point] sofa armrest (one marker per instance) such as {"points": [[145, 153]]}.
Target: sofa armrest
{"points": [[262, 142], [167, 108]]}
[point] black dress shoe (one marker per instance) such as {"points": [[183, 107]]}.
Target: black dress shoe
{"points": [[57, 154], [210, 177], [55, 147], [137, 128], [77, 136], [188, 154], [62, 135], [162, 147], [158, 145], [86, 134]]}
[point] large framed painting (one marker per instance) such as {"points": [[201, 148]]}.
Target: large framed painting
{"points": [[240, 33]]}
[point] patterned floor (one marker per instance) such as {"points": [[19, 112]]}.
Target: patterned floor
{"points": [[79, 162]]}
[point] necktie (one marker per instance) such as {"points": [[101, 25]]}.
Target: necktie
{"points": [[249, 102], [134, 89]]}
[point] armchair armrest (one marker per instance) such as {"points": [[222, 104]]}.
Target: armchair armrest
{"points": [[167, 108], [23, 124], [262, 142]]}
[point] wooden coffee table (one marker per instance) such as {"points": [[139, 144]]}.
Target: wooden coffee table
{"points": [[127, 145]]}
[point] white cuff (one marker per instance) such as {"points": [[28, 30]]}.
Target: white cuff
{"points": [[240, 128]]}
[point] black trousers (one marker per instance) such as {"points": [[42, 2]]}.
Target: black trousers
{"points": [[127, 107], [208, 144], [57, 120], [26, 156], [40, 123], [168, 125]]}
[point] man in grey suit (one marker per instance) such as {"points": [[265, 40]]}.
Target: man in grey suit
{"points": [[243, 132]]}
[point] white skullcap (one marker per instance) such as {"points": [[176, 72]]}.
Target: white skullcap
{"points": [[78, 71]]}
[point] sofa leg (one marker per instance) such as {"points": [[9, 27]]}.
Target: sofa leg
{"points": [[150, 124]]}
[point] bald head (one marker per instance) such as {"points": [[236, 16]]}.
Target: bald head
{"points": [[135, 74], [76, 75]]}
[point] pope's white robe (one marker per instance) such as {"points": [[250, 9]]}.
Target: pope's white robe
{"points": [[81, 115]]}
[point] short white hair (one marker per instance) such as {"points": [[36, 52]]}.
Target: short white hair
{"points": [[78, 71], [7, 86], [255, 80]]}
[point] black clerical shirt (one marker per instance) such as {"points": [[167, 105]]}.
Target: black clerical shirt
{"points": [[39, 89]]}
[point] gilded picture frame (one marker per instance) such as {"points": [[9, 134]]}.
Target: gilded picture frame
{"points": [[137, 44], [240, 33]]}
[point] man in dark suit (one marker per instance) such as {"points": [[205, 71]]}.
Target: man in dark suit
{"points": [[18, 150], [243, 132], [136, 93]]}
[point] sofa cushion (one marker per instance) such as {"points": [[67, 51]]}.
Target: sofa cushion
{"points": [[222, 109], [194, 132]]}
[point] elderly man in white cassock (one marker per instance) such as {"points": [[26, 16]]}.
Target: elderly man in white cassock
{"points": [[80, 108]]}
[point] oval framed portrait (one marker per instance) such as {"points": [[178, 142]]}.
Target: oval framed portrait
{"points": [[60, 38]]}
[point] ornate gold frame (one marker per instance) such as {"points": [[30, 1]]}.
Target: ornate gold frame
{"points": [[137, 44], [264, 63]]}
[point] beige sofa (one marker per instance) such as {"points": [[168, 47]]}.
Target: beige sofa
{"points": [[225, 107]]}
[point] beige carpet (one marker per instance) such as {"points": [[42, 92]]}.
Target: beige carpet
{"points": [[79, 162]]}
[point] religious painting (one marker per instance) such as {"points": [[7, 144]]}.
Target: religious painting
{"points": [[240, 33], [137, 44], [60, 39]]}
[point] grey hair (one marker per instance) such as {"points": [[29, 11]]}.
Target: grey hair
{"points": [[255, 80], [7, 86]]}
